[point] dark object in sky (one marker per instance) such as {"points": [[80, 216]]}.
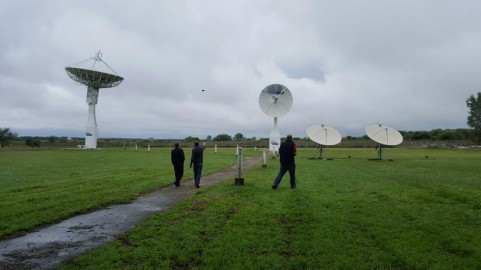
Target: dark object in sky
{"points": [[203, 90]]}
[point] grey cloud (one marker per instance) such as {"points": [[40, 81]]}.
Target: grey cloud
{"points": [[408, 64]]}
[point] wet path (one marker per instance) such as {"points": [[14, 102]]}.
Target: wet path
{"points": [[49, 247]]}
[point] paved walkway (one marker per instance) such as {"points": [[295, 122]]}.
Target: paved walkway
{"points": [[50, 247]]}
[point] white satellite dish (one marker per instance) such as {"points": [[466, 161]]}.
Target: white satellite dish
{"points": [[323, 135], [275, 100], [383, 135]]}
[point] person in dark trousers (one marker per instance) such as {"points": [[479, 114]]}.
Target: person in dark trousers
{"points": [[287, 152], [196, 160], [177, 157]]}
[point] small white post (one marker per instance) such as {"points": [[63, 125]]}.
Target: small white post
{"points": [[148, 147], [237, 150], [239, 181], [264, 158], [274, 154], [215, 148], [135, 146]]}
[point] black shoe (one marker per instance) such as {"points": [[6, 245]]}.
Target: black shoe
{"points": [[176, 184], [274, 187], [293, 187], [197, 186]]}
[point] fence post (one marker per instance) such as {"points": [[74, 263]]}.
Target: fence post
{"points": [[264, 158], [239, 181]]}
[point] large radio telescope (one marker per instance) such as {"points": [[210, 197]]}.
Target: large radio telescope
{"points": [[94, 80], [275, 100]]}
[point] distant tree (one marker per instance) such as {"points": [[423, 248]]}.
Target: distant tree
{"points": [[191, 139], [51, 141], [421, 135], [6, 136], [238, 136], [209, 138], [254, 138], [407, 135], [474, 116], [465, 133], [32, 143], [450, 135], [223, 137]]}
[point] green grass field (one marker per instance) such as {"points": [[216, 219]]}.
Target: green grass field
{"points": [[41, 187], [348, 213], [411, 213]]}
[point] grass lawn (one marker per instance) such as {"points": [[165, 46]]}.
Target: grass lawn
{"points": [[350, 213], [41, 187]]}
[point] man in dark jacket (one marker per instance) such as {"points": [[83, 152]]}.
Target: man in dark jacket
{"points": [[197, 159], [287, 152], [177, 157]]}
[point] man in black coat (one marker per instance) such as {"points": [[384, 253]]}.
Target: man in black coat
{"points": [[287, 152], [177, 157], [197, 160]]}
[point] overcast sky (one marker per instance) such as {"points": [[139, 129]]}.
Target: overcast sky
{"points": [[408, 64]]}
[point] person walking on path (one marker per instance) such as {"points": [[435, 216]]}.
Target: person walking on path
{"points": [[177, 157], [287, 152], [196, 160]]}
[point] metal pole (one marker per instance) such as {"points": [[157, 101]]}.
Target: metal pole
{"points": [[239, 181], [215, 148], [380, 151], [264, 158], [320, 150]]}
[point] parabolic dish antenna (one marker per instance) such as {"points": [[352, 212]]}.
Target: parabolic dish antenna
{"points": [[383, 135], [323, 135], [94, 80], [275, 100]]}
